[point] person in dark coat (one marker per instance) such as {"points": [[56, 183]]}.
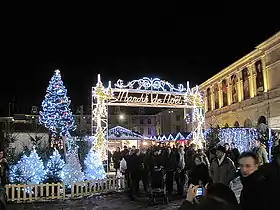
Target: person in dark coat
{"points": [[181, 173], [169, 162], [271, 171], [199, 175], [189, 156], [133, 167], [234, 154], [255, 192], [117, 156], [4, 168]]}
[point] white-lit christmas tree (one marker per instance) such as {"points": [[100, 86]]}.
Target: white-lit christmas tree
{"points": [[72, 170], [28, 170], [54, 168], [56, 114], [94, 169]]}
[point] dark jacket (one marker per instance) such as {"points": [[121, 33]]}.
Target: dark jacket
{"points": [[199, 173], [133, 166], [254, 194], [271, 172], [169, 161]]}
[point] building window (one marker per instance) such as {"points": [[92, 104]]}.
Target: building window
{"points": [[141, 121], [142, 131], [178, 128], [177, 117], [149, 121], [149, 131]]}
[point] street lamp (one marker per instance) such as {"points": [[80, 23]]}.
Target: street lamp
{"points": [[121, 116]]}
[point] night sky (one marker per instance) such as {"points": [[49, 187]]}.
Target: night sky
{"points": [[177, 49]]}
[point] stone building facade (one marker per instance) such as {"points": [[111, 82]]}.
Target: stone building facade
{"points": [[247, 91]]}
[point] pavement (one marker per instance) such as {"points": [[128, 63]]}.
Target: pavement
{"points": [[105, 202], [110, 201]]}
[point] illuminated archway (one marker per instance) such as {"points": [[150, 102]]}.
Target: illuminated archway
{"points": [[145, 92]]}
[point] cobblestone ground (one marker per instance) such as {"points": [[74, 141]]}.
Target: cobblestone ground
{"points": [[112, 202]]}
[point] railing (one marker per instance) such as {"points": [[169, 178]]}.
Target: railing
{"points": [[37, 192], [28, 193], [91, 187]]}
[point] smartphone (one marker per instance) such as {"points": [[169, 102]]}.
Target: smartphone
{"points": [[199, 191]]}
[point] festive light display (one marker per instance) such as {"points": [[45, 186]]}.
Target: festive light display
{"points": [[56, 114], [94, 168], [152, 92], [120, 132], [54, 168], [242, 137], [171, 137], [72, 170], [100, 115], [28, 170]]}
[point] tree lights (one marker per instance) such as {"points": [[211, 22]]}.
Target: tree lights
{"points": [[56, 114]]}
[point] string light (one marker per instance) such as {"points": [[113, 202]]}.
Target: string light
{"points": [[94, 168], [120, 132], [54, 167], [28, 170], [56, 114], [191, 98], [72, 171]]}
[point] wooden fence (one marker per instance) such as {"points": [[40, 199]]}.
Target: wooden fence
{"points": [[87, 188], [28, 193], [39, 192]]}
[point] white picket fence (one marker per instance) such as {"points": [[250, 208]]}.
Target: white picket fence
{"points": [[41, 192]]}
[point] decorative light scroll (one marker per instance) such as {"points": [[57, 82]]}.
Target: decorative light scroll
{"points": [[146, 92], [150, 84]]}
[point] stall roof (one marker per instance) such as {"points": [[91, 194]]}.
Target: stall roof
{"points": [[121, 133]]}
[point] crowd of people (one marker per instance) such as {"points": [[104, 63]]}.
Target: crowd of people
{"points": [[213, 170]]}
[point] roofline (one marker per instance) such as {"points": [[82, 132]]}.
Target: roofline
{"points": [[259, 50]]}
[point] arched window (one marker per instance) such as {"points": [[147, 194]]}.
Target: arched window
{"points": [[246, 86], [262, 119], [224, 90], [236, 124], [226, 126], [248, 123], [216, 96], [234, 88], [208, 95], [259, 77]]}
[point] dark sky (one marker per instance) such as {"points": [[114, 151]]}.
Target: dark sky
{"points": [[174, 48]]}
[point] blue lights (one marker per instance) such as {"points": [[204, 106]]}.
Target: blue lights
{"points": [[56, 114]]}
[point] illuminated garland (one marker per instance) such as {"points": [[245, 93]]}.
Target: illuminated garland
{"points": [[56, 114], [192, 98], [100, 115]]}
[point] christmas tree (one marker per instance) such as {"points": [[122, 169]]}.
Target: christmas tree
{"points": [[94, 169], [212, 137], [56, 114], [29, 170], [54, 168], [72, 171]]}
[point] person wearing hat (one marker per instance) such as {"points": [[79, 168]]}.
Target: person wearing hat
{"points": [[222, 169]]}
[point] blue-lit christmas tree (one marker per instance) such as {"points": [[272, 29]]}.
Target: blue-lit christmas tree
{"points": [[56, 114], [29, 170], [54, 168], [72, 171], [94, 169]]}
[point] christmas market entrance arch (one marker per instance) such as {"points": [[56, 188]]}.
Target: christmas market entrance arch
{"points": [[145, 92]]}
